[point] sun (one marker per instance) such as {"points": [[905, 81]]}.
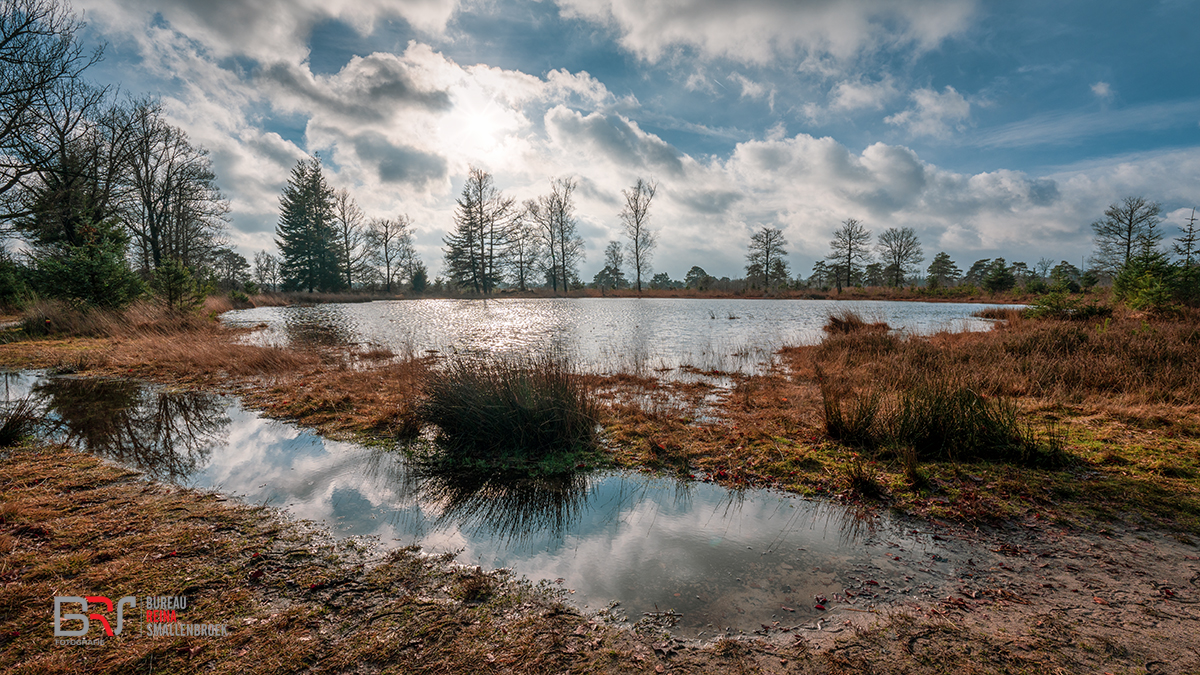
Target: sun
{"points": [[477, 124]]}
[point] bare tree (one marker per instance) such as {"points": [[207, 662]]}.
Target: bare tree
{"points": [[765, 262], [1129, 230], [1186, 245], [636, 216], [266, 271], [231, 269], [350, 237], [525, 248], [1042, 268], [391, 244], [72, 151], [850, 249], [176, 209], [901, 252], [39, 53], [555, 216]]}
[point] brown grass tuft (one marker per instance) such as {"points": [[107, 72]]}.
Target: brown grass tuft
{"points": [[848, 321]]}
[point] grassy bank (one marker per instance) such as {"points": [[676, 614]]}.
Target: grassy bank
{"points": [[293, 600], [1117, 397], [1115, 400]]}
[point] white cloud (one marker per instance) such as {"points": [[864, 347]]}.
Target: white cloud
{"points": [[759, 30], [850, 96], [1102, 90], [400, 130], [933, 114], [1070, 126]]}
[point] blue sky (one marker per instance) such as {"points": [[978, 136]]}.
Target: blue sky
{"points": [[992, 128]]}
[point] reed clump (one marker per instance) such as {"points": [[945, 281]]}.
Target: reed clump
{"points": [[511, 411], [849, 321], [938, 421], [18, 420]]}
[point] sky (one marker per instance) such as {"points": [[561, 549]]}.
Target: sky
{"points": [[991, 128]]}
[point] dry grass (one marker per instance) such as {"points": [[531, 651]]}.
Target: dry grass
{"points": [[1125, 389], [54, 318], [1127, 360], [292, 600]]}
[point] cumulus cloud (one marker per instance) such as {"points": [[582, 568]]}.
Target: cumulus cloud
{"points": [[933, 114], [612, 138], [400, 129], [760, 30], [398, 163], [750, 88], [366, 90]]}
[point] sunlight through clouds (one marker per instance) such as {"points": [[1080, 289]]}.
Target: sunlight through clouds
{"points": [[748, 114]]}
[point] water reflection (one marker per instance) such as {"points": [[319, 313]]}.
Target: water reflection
{"points": [[513, 511], [319, 326], [630, 334], [721, 558], [168, 435]]}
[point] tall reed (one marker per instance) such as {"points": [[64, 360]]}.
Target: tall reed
{"points": [[511, 410]]}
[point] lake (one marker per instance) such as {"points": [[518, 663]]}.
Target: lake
{"points": [[601, 334], [725, 561]]}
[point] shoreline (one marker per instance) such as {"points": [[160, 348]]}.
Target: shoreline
{"points": [[1043, 533]]}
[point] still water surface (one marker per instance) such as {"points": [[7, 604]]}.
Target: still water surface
{"points": [[601, 334], [722, 559]]}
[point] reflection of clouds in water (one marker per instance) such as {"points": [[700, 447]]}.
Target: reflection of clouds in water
{"points": [[638, 539], [604, 334]]}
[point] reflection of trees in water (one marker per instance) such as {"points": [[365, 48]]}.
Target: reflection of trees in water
{"points": [[501, 506], [168, 435]]}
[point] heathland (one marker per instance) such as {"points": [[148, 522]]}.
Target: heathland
{"points": [[1069, 442]]}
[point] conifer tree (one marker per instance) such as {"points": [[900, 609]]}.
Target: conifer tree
{"points": [[943, 271], [304, 234]]}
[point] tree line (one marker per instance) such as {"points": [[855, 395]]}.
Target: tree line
{"points": [[497, 241], [325, 244], [1129, 253]]}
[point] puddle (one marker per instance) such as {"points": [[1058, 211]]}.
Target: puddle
{"points": [[722, 560]]}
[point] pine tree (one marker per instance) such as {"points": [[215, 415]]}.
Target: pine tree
{"points": [[1187, 245], [943, 271], [476, 250], [305, 234]]}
